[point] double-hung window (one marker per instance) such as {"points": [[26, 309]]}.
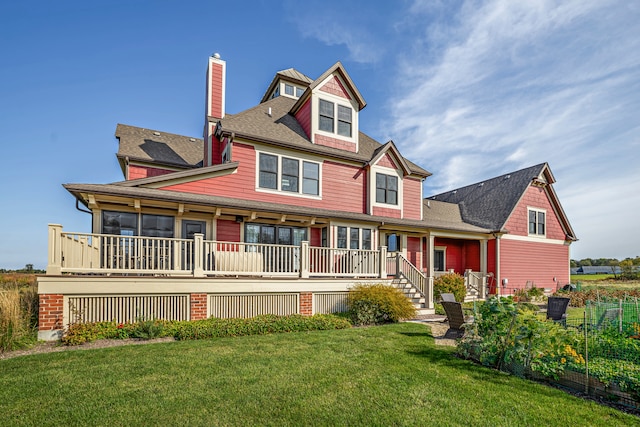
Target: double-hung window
{"points": [[268, 171], [386, 189], [327, 117], [537, 222], [284, 173]]}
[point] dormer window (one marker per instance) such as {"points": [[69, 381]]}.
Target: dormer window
{"points": [[386, 189], [327, 118]]}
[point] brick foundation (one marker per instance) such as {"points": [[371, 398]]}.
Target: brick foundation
{"points": [[306, 303], [198, 306], [50, 312]]}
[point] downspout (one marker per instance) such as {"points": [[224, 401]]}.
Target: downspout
{"points": [[82, 210]]}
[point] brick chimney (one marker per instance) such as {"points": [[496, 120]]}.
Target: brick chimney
{"points": [[214, 108]]}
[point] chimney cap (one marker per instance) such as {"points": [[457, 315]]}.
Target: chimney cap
{"points": [[216, 55]]}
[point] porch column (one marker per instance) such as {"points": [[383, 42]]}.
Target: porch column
{"points": [[483, 266], [198, 244], [383, 262], [54, 250], [498, 278], [304, 260], [431, 244]]}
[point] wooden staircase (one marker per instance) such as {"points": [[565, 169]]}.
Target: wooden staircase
{"points": [[413, 294]]}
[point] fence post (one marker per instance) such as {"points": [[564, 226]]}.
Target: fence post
{"points": [[54, 249], [586, 351], [198, 245], [383, 262], [620, 314], [304, 260]]}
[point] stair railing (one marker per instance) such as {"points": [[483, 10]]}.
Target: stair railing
{"points": [[404, 268]]}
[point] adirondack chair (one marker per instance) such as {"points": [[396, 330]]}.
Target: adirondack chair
{"points": [[448, 297], [557, 309], [456, 319]]}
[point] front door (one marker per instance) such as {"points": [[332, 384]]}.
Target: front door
{"points": [[189, 229]]}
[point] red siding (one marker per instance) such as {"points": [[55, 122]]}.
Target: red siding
{"points": [[388, 212], [217, 90], [327, 141], [227, 231], [304, 117], [334, 87], [338, 180], [531, 261], [137, 171], [461, 254], [316, 237], [386, 161], [414, 252], [534, 197], [411, 200]]}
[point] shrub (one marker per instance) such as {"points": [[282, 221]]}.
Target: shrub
{"points": [[377, 304], [450, 283], [259, 325], [148, 329]]}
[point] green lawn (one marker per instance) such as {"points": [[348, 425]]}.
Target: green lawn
{"points": [[389, 375]]}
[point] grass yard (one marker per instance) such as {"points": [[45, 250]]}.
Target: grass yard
{"points": [[389, 375], [590, 277]]}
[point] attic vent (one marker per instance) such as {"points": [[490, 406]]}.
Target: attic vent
{"points": [[156, 133], [507, 177], [192, 139], [454, 191], [481, 184]]}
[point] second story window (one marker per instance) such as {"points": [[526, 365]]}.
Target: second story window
{"points": [[283, 174], [537, 222], [327, 118], [386, 189]]}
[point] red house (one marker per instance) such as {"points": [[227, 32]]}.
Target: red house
{"points": [[281, 209]]}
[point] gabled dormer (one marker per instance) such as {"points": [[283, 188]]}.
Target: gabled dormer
{"points": [[328, 110], [290, 83]]}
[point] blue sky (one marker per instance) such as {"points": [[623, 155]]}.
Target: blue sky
{"points": [[468, 90]]}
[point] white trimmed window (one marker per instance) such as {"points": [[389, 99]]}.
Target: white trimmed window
{"points": [[354, 238], [288, 174], [386, 189], [537, 222], [327, 116]]}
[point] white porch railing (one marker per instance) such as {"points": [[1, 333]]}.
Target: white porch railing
{"points": [[91, 253], [399, 266]]}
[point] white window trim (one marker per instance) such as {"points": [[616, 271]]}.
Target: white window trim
{"points": [[318, 94], [372, 188], [333, 239], [279, 190], [282, 84], [544, 211], [444, 257]]}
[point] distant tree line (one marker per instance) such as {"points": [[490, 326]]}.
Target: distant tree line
{"points": [[28, 269], [629, 268]]}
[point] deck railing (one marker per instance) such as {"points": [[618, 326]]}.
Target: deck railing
{"points": [[399, 266], [92, 253]]}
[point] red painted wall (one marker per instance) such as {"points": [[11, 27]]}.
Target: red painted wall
{"points": [[534, 197], [137, 171], [315, 239], [388, 212], [387, 162], [334, 87], [411, 200], [217, 90], [227, 231], [461, 254], [328, 141], [343, 186], [539, 262], [414, 251], [304, 117]]}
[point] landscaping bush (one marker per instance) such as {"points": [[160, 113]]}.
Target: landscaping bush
{"points": [[451, 283], [81, 333], [377, 304]]}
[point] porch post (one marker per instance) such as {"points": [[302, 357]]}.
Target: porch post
{"points": [[430, 246], [483, 267], [498, 278], [383, 262], [54, 250], [198, 244], [304, 260]]}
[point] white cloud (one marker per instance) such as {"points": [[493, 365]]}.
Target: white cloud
{"points": [[491, 88]]}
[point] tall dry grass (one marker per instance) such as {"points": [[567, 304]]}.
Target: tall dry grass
{"points": [[18, 310]]}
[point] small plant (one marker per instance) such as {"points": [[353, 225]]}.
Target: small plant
{"points": [[377, 304], [452, 283], [148, 329], [535, 294]]}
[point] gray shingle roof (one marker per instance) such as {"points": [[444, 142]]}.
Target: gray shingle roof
{"points": [[441, 215], [489, 203], [282, 129], [148, 145]]}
